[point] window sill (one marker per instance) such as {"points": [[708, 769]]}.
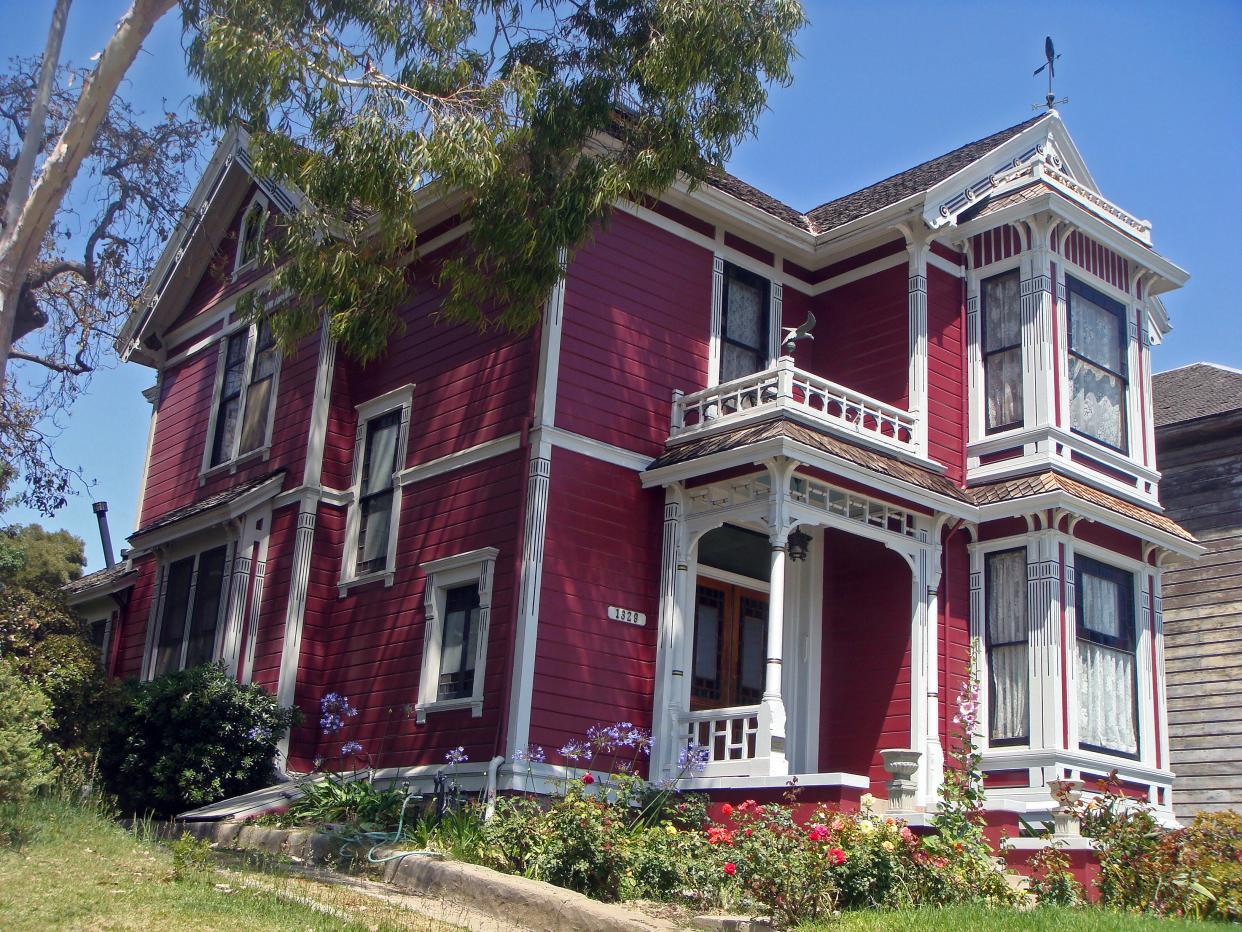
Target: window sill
{"points": [[231, 466], [343, 587], [448, 705]]}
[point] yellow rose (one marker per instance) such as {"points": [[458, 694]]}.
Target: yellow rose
{"points": [[671, 828], [886, 845], [865, 827]]}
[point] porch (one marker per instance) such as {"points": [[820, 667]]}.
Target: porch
{"points": [[798, 634]]}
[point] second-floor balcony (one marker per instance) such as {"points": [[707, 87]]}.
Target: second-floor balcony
{"points": [[787, 391]]}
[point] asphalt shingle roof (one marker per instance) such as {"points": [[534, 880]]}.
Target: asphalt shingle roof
{"points": [[1191, 392], [874, 197], [207, 504]]}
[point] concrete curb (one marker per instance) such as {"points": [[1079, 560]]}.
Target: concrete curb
{"points": [[516, 901]]}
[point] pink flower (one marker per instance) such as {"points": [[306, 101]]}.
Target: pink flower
{"points": [[818, 833], [587, 779], [907, 835], [730, 868], [836, 856]]}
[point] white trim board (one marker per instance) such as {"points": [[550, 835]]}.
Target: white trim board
{"points": [[459, 460]]}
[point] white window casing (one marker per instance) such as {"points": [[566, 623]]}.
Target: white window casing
{"points": [[397, 400], [234, 456], [476, 567], [245, 257]]}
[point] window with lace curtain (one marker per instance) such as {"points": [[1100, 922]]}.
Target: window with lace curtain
{"points": [[744, 323], [1107, 678], [1002, 352], [242, 417], [1009, 684], [1097, 365]]}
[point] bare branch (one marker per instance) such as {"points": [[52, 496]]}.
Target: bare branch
{"points": [[77, 367]]}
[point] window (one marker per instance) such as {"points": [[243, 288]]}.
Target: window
{"points": [[1002, 352], [193, 590], [1008, 681], [457, 606], [461, 622], [373, 517], [250, 236], [1107, 685], [243, 412], [730, 645], [1097, 365], [744, 324]]}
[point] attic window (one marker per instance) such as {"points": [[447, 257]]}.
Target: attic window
{"points": [[250, 236]]}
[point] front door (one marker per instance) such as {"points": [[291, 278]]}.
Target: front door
{"points": [[730, 646]]}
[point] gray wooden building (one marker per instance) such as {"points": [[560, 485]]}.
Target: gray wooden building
{"points": [[1198, 417]]}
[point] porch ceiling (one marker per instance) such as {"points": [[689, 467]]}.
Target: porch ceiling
{"points": [[785, 429]]}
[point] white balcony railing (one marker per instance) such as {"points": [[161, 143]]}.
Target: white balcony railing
{"points": [[733, 738], [784, 389]]}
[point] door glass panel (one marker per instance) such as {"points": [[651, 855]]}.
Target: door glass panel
{"points": [[708, 617], [752, 645], [207, 591]]}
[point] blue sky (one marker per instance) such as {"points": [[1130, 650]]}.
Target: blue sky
{"points": [[880, 86]]}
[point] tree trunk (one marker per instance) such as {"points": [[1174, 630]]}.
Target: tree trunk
{"points": [[33, 214]]}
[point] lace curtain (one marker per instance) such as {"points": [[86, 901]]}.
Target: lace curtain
{"points": [[1002, 349], [1008, 679], [1106, 701], [1098, 403], [743, 352]]}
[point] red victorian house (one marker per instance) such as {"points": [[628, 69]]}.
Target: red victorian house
{"points": [[653, 509]]}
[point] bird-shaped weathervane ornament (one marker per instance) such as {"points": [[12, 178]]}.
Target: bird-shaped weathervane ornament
{"points": [[1049, 65], [794, 335]]}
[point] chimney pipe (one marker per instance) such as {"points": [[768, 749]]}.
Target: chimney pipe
{"points": [[101, 513]]}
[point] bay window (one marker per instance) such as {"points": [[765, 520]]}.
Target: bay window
{"points": [[245, 391], [1006, 629], [1002, 351], [1107, 679], [191, 611], [1097, 365], [744, 323]]}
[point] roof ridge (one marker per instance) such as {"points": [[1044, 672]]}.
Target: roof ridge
{"points": [[1010, 131], [1191, 365]]}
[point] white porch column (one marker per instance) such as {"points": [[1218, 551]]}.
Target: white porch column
{"points": [[917, 245], [1043, 608], [1036, 286], [667, 696], [772, 717], [924, 667]]}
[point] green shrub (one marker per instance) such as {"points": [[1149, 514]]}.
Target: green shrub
{"points": [[1052, 883], [191, 738], [24, 762], [334, 799]]}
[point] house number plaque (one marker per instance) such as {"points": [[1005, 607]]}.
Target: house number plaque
{"points": [[627, 615]]}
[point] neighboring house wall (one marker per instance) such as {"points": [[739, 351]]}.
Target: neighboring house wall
{"points": [[1201, 487]]}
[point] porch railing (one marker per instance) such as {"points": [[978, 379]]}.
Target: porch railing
{"points": [[737, 740], [787, 389]]}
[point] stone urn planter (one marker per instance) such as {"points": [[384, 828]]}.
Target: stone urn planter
{"points": [[901, 764], [1065, 825]]}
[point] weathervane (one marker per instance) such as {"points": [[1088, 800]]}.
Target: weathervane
{"points": [[1050, 65], [795, 335]]}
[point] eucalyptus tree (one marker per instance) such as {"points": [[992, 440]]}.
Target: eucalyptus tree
{"points": [[538, 115]]}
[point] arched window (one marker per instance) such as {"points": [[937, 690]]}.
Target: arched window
{"points": [[250, 236]]}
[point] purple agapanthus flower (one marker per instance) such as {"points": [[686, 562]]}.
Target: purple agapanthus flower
{"points": [[692, 759], [334, 709], [351, 749], [457, 755], [575, 750], [258, 733], [531, 754]]}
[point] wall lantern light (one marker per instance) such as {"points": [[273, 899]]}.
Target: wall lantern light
{"points": [[799, 541]]}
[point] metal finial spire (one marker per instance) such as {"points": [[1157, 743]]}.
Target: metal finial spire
{"points": [[1049, 65]]}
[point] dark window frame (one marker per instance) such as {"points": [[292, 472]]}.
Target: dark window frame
{"points": [[189, 605], [1118, 309], [460, 683], [764, 349], [253, 341], [1019, 740], [1127, 643], [985, 354], [366, 495]]}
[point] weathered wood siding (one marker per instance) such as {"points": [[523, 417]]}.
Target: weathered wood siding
{"points": [[1202, 489]]}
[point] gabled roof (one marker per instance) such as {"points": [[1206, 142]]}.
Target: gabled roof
{"points": [[101, 582], [214, 508], [1202, 389], [868, 200]]}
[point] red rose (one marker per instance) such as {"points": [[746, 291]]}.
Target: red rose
{"points": [[836, 855], [730, 868], [587, 779], [726, 810]]}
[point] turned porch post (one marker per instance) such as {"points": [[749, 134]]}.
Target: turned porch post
{"points": [[772, 707]]}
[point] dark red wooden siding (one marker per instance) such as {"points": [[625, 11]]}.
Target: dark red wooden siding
{"points": [[946, 373], [862, 338]]}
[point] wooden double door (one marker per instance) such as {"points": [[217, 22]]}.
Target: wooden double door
{"points": [[730, 645]]}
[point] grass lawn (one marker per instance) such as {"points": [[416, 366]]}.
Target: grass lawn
{"points": [[956, 918], [78, 870]]}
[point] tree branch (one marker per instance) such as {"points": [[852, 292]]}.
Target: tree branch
{"points": [[79, 366]]}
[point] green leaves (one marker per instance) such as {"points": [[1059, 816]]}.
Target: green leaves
{"points": [[539, 117]]}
